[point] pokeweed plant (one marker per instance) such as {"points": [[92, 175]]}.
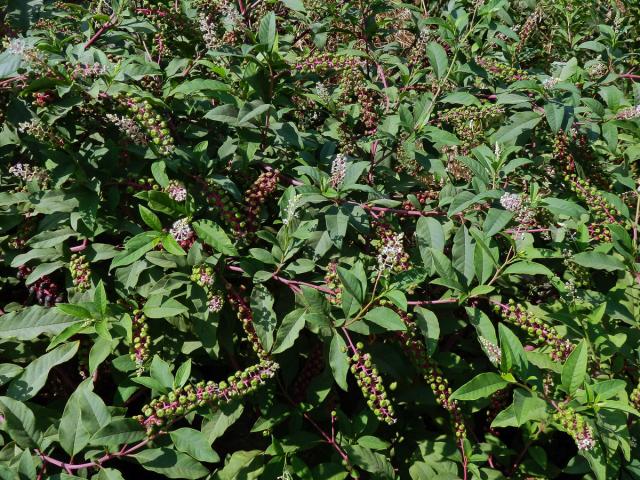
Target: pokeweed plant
{"points": [[319, 239]]}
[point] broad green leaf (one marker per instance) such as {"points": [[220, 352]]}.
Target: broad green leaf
{"points": [[430, 328], [437, 59], [20, 422], [574, 370], [34, 376], [118, 432], [30, 322], [195, 444], [150, 218], [481, 386], [212, 234], [170, 464], [264, 318], [338, 360], [217, 423], [289, 330], [598, 261], [385, 318]]}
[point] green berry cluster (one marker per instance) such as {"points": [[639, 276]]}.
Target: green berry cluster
{"points": [[80, 272], [332, 281], [153, 123], [575, 425], [370, 383], [634, 398], [165, 409], [204, 276], [471, 120], [502, 71], [230, 214], [604, 212], [414, 346], [545, 334], [140, 341]]}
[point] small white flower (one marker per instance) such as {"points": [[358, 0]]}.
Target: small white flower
{"points": [[181, 230], [629, 113], [550, 82], [511, 202], [322, 92], [494, 353], [130, 128], [338, 170], [215, 303], [292, 206], [177, 191], [391, 254], [17, 46]]}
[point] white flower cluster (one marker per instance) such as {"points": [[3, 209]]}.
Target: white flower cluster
{"points": [[629, 113], [338, 170], [323, 92], [292, 206], [550, 82], [130, 128], [511, 202], [177, 191], [27, 173], [209, 34], [215, 303], [391, 253], [181, 230], [493, 351]]}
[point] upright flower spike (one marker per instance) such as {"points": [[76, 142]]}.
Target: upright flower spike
{"points": [[176, 191], [546, 334], [338, 170], [166, 409], [182, 232], [392, 257], [410, 339], [576, 426], [370, 383]]}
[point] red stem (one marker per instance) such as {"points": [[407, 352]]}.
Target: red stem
{"points": [[630, 75], [79, 248], [102, 29]]}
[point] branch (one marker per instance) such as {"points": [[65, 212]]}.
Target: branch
{"points": [[110, 23]]}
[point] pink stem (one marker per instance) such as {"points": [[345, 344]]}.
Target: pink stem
{"points": [[79, 248], [630, 75], [433, 302], [293, 284], [401, 212], [99, 33]]}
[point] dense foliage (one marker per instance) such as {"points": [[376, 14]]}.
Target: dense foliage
{"points": [[319, 239]]}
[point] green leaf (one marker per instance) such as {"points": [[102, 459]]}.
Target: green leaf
{"points": [[267, 32], [338, 360], [598, 261], [33, 378], [195, 444], [574, 370], [83, 415], [521, 123], [161, 371], [182, 374], [171, 464], [289, 330], [212, 234], [513, 354], [437, 59], [351, 283], [170, 308], [20, 423], [385, 318], [29, 323], [481, 386], [527, 268], [150, 218], [241, 464], [100, 298], [463, 254], [429, 234], [216, 424], [557, 206], [496, 220], [117, 432], [430, 328], [264, 318], [74, 310], [171, 245], [135, 249], [8, 371]]}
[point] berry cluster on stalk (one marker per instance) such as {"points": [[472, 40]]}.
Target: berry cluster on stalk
{"points": [[410, 340], [575, 425], [545, 334], [470, 121], [332, 281], [80, 272], [370, 383], [604, 212], [312, 367], [140, 341], [204, 276], [166, 409], [502, 71], [46, 292], [257, 195], [153, 124], [241, 305], [228, 212]]}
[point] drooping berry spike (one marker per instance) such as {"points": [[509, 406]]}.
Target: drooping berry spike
{"points": [[225, 209], [634, 398], [154, 126], [410, 339], [241, 305], [140, 341], [546, 334], [333, 282], [575, 425], [167, 408], [370, 382], [46, 292]]}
